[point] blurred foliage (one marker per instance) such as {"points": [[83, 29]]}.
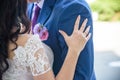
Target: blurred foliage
{"points": [[108, 10]]}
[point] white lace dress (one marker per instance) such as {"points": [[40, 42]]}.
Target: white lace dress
{"points": [[34, 59]]}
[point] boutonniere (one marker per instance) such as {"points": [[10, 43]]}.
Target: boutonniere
{"points": [[42, 31]]}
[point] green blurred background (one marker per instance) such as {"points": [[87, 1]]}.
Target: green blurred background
{"points": [[107, 10], [106, 29]]}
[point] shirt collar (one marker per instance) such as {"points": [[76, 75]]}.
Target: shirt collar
{"points": [[40, 4]]}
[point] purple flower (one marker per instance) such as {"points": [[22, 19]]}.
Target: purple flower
{"points": [[41, 31]]}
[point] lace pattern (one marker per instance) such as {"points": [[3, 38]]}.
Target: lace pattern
{"points": [[30, 60]]}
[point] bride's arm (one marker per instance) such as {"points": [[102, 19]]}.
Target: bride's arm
{"points": [[80, 39], [66, 72]]}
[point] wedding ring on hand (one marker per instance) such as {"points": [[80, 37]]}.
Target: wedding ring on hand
{"points": [[86, 32], [84, 35]]}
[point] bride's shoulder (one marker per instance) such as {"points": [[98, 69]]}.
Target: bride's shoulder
{"points": [[28, 36], [26, 39]]}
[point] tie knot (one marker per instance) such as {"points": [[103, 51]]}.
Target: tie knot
{"points": [[37, 8]]}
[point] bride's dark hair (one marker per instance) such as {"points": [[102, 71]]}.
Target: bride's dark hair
{"points": [[12, 13]]}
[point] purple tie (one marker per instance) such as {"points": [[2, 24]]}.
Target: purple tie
{"points": [[35, 16]]}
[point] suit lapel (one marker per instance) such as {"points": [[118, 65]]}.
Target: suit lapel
{"points": [[44, 13]]}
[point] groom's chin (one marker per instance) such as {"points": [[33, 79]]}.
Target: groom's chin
{"points": [[31, 1]]}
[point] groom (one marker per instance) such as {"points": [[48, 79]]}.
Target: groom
{"points": [[61, 15]]}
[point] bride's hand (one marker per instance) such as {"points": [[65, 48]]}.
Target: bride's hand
{"points": [[78, 39]]}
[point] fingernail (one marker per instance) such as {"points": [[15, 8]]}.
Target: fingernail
{"points": [[60, 31], [89, 26], [78, 17]]}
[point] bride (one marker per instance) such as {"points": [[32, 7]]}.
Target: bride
{"points": [[24, 56]]}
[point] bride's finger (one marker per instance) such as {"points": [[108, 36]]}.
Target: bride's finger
{"points": [[88, 37], [83, 25], [87, 31], [63, 34], [76, 26]]}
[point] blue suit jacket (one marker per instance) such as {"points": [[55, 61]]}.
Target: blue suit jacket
{"points": [[61, 15]]}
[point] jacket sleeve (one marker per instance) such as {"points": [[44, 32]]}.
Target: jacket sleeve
{"points": [[84, 68]]}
